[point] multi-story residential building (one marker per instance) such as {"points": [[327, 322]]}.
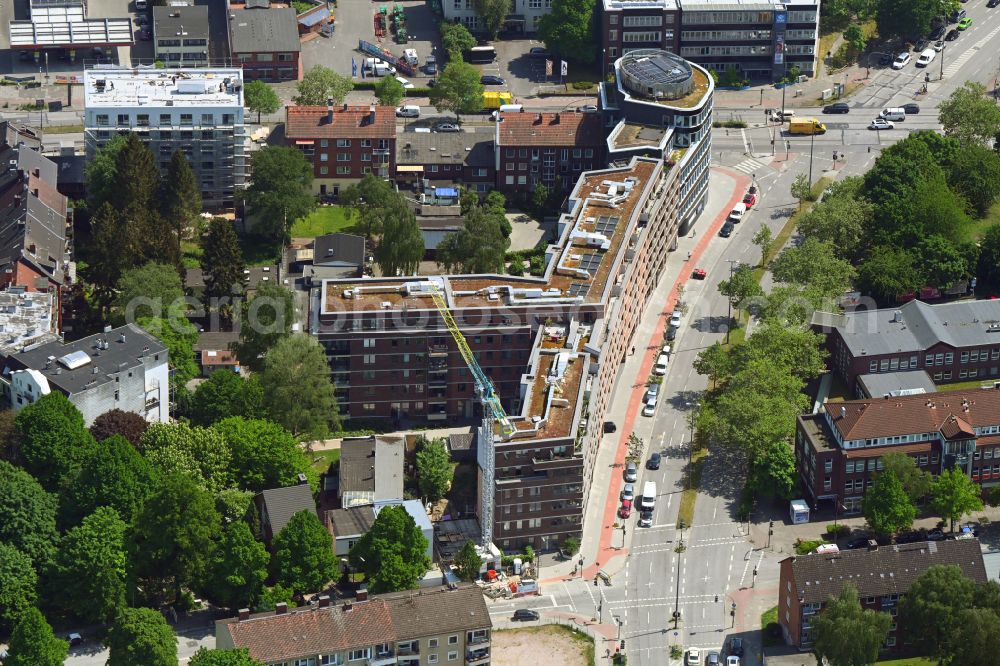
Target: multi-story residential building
{"points": [[660, 104], [343, 143], [523, 17], [413, 628], [951, 342], [197, 111], [551, 345], [265, 42], [35, 220], [276, 506], [445, 159], [548, 148], [881, 574], [123, 368], [180, 35], [761, 40], [26, 318], [839, 449]]}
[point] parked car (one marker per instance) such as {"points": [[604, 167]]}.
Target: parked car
{"points": [[936, 534], [628, 492], [408, 111], [699, 274], [626, 509], [654, 461], [951, 36], [712, 659], [538, 52], [74, 639], [631, 473], [525, 614], [446, 127], [693, 657], [650, 407], [837, 107], [732, 660], [145, 34], [901, 60], [939, 44], [609, 427], [431, 66], [671, 334], [736, 646], [406, 84], [749, 199], [993, 3], [860, 542], [727, 229], [646, 518], [937, 32], [675, 318], [587, 108], [920, 45], [911, 108], [491, 80], [881, 124], [660, 367], [965, 23]]}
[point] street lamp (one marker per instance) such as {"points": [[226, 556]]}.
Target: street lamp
{"points": [[729, 297], [581, 567], [692, 415], [944, 47]]}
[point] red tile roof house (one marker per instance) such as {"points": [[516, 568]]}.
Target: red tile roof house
{"points": [[881, 574], [440, 625], [548, 148], [343, 143]]}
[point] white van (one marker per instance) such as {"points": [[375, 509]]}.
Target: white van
{"points": [[737, 213], [648, 499], [408, 111], [507, 108], [410, 56], [893, 113], [379, 67], [926, 57]]}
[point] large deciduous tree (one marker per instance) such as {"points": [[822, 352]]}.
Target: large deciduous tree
{"points": [[27, 514], [887, 507], [569, 30], [217, 657], [975, 174], [179, 336], [814, 263], [969, 115], [141, 636], [223, 265], [101, 173], [393, 552], [298, 391], [129, 425], [931, 609], [989, 258], [493, 13], [840, 219], [150, 290], [53, 440], [458, 89], [888, 272], [115, 476], [468, 562], [264, 320], [941, 262], [977, 632], [303, 554], [954, 494], [33, 642], [916, 482], [434, 469], [401, 246], [371, 196], [18, 585], [265, 455], [226, 394], [845, 634], [88, 579], [260, 98], [320, 84], [456, 38], [238, 569], [179, 199], [279, 191], [905, 18], [480, 246], [389, 91], [200, 453]]}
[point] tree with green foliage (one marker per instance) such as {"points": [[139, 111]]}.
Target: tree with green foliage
{"points": [[141, 636], [101, 173], [794, 305], [458, 89], [298, 390], [989, 258], [222, 265], [954, 494], [259, 97], [280, 190], [940, 262], [27, 514], [715, 362], [796, 351], [88, 578], [150, 290], [840, 219], [393, 553], [238, 569], [179, 336], [199, 453], [265, 455], [115, 476], [931, 609], [905, 18], [887, 507], [802, 188], [53, 440], [320, 84], [217, 657], [234, 505], [138, 176], [916, 482], [773, 474], [401, 247], [976, 642], [492, 15], [303, 554], [371, 196], [468, 562], [129, 425], [855, 38], [843, 617], [741, 287], [888, 272], [264, 320], [389, 91], [456, 38], [226, 394], [569, 30], [764, 240], [479, 247], [970, 115], [172, 539], [18, 585], [434, 469], [975, 174], [111, 252], [33, 642], [814, 263], [180, 199]]}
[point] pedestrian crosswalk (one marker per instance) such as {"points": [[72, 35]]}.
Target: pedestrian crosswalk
{"points": [[956, 64], [750, 166]]}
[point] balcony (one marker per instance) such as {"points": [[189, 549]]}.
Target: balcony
{"points": [[439, 393], [382, 659], [475, 656], [408, 651], [478, 640]]}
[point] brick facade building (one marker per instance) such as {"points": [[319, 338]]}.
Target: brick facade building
{"points": [[548, 148], [265, 42]]}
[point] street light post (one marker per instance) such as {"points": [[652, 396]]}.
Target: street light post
{"points": [[812, 143], [729, 298], [677, 587], [943, 49]]}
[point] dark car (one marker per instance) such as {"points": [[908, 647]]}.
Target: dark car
{"points": [[525, 614], [538, 52], [671, 334], [911, 108], [431, 66], [609, 426], [726, 230], [938, 32], [958, 15], [935, 535], [993, 3], [491, 80], [911, 537], [860, 542], [145, 35], [736, 647], [654, 461], [446, 127], [839, 107], [951, 36], [920, 45]]}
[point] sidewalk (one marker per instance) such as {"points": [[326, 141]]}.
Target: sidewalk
{"points": [[599, 549]]}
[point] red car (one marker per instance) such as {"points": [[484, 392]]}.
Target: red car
{"points": [[750, 199], [699, 274], [626, 509]]}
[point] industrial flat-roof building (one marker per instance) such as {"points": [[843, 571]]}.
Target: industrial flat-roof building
{"points": [[64, 24], [197, 111], [180, 35]]}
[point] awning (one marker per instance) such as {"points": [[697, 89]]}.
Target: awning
{"points": [[409, 169], [446, 192], [315, 17], [305, 143]]}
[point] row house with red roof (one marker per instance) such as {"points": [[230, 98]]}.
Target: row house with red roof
{"points": [[839, 449]]}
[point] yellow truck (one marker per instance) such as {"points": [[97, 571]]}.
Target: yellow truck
{"points": [[494, 100], [805, 126]]}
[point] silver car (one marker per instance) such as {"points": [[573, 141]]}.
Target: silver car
{"points": [[628, 492], [631, 473]]}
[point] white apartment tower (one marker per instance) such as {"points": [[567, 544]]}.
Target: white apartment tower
{"points": [[198, 111]]}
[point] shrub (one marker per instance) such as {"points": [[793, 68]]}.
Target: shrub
{"points": [[837, 531], [571, 545], [582, 85], [804, 547]]}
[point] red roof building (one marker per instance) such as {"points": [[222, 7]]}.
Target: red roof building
{"points": [[343, 143]]}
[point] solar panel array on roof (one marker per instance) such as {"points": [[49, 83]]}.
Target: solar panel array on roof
{"points": [[657, 70], [606, 225], [590, 262], [578, 289]]}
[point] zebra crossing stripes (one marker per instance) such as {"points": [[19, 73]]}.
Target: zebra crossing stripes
{"points": [[750, 166]]}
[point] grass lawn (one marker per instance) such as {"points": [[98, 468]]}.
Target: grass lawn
{"points": [[910, 661], [191, 254], [322, 460], [64, 129], [769, 619], [690, 494], [324, 220], [979, 227]]}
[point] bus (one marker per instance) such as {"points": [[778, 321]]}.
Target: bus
{"points": [[480, 54]]}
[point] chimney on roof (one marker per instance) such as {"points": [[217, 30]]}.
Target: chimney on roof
{"points": [[538, 119], [280, 608], [362, 594], [302, 479], [872, 545], [371, 114], [897, 315], [555, 120], [324, 601], [244, 614], [843, 412], [348, 607], [329, 110]]}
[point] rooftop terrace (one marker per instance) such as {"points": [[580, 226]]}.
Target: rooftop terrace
{"points": [[121, 87]]}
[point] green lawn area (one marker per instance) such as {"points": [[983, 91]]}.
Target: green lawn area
{"points": [[979, 227], [321, 460], [769, 627], [324, 220], [910, 661], [190, 254]]}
